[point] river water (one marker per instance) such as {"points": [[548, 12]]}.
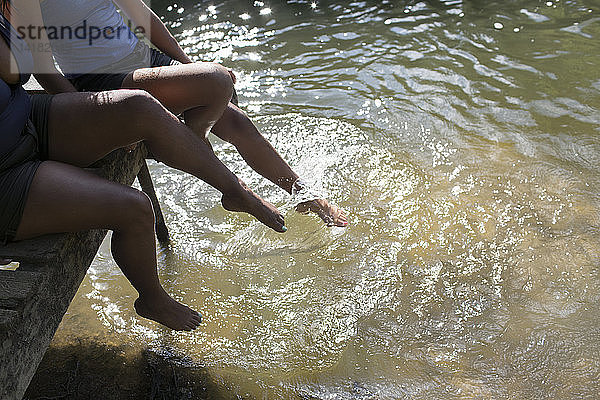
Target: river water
{"points": [[462, 138]]}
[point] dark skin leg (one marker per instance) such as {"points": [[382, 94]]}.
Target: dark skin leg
{"points": [[179, 88], [91, 125], [64, 198], [83, 128], [236, 128]]}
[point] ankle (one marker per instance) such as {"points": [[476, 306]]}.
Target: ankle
{"points": [[233, 193], [149, 296]]}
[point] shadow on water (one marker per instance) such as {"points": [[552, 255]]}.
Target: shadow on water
{"points": [[97, 367], [86, 369]]}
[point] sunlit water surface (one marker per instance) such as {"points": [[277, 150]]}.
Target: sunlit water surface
{"points": [[462, 138]]}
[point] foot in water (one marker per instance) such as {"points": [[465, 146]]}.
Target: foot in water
{"points": [[330, 214], [247, 201], [168, 312]]}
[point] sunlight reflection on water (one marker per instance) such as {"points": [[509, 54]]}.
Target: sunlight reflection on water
{"points": [[466, 159]]}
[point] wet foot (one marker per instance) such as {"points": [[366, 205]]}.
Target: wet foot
{"points": [[330, 214], [247, 201], [168, 312]]}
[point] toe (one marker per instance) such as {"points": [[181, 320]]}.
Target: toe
{"points": [[340, 222], [280, 224], [190, 326]]}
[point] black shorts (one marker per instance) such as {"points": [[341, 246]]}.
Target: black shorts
{"points": [[141, 57], [18, 166]]}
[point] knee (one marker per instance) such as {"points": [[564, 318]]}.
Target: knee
{"points": [[221, 82], [137, 210], [140, 101], [143, 112]]}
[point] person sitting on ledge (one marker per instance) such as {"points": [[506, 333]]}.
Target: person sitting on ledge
{"points": [[46, 140], [113, 59]]}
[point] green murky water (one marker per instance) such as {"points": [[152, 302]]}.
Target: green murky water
{"points": [[462, 137]]}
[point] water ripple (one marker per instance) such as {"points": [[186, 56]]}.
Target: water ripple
{"points": [[462, 139]]}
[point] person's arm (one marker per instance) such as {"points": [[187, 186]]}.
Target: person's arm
{"points": [[155, 30], [26, 13], [55, 83], [9, 70]]}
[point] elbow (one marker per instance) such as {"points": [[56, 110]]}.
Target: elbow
{"points": [[11, 78]]}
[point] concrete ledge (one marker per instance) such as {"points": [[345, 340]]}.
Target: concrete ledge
{"points": [[34, 298]]}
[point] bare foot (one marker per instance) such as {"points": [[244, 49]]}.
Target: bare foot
{"points": [[330, 214], [165, 310], [247, 201]]}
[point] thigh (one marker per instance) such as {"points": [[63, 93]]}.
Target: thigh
{"points": [[185, 86], [64, 198], [84, 127]]}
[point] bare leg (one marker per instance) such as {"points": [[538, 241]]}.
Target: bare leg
{"points": [[86, 201], [84, 127], [236, 128], [179, 89]]}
